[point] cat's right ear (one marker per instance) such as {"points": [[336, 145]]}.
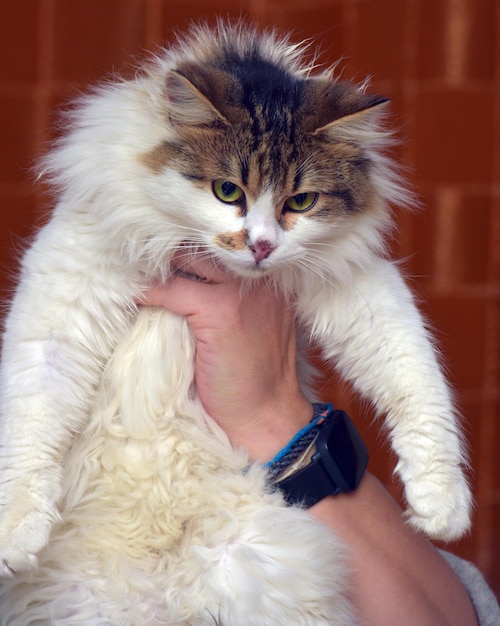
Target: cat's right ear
{"points": [[358, 117], [187, 106]]}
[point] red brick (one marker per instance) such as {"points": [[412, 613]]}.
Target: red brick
{"points": [[465, 249], [453, 136], [456, 45], [94, 38], [459, 324], [18, 113], [18, 40], [380, 39]]}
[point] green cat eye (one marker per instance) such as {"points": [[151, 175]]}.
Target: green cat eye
{"points": [[226, 191], [301, 202]]}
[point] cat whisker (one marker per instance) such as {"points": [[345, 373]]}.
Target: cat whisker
{"points": [[185, 256], [184, 227], [311, 265], [314, 244]]}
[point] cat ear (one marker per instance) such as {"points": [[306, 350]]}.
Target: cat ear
{"points": [[187, 106], [358, 120]]}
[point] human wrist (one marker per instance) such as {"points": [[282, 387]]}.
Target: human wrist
{"points": [[262, 429]]}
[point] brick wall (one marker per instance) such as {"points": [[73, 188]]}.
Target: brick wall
{"points": [[439, 62]]}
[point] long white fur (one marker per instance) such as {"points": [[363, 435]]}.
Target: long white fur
{"points": [[115, 463], [160, 522]]}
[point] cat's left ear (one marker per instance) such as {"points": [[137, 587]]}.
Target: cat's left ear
{"points": [[358, 121], [187, 106]]}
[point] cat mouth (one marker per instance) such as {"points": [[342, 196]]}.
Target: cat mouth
{"points": [[196, 264], [184, 265], [176, 271]]}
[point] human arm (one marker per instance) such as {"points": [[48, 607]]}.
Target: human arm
{"points": [[398, 576], [245, 374]]}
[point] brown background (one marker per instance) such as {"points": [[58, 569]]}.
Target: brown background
{"points": [[439, 62]]}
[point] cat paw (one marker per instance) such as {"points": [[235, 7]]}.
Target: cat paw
{"points": [[20, 544], [439, 508], [15, 561]]}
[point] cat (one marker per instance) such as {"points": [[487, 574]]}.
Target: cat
{"points": [[120, 501]]}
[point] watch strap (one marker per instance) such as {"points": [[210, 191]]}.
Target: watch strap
{"points": [[296, 447], [337, 465]]}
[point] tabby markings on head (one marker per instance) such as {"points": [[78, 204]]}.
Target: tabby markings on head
{"points": [[268, 128]]}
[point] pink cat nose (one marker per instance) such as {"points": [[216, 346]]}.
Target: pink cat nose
{"points": [[261, 249]]}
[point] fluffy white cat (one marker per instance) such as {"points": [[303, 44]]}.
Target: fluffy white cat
{"points": [[121, 503]]}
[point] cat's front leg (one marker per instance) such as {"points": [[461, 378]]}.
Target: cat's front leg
{"points": [[64, 320], [28, 516], [372, 330]]}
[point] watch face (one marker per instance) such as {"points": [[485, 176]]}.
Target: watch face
{"points": [[337, 466], [342, 452]]}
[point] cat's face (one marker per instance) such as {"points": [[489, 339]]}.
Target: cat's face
{"points": [[264, 167]]}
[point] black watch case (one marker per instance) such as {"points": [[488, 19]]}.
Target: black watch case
{"points": [[337, 466]]}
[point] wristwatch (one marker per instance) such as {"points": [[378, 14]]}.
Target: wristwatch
{"points": [[337, 465]]}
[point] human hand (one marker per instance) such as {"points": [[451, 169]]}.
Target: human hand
{"points": [[246, 379], [245, 367]]}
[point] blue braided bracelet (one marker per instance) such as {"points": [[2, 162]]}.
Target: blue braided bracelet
{"points": [[300, 442]]}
